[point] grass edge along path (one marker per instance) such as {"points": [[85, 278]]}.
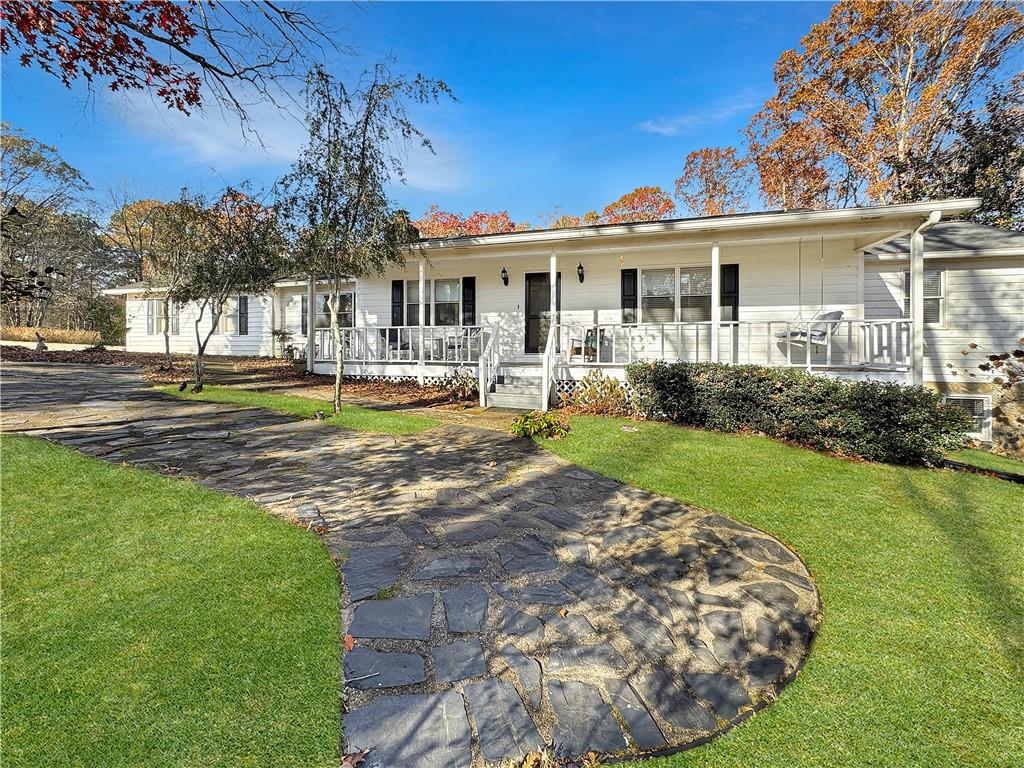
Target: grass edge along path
{"points": [[150, 621], [351, 416], [920, 656]]}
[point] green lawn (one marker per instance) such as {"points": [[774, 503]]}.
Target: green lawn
{"points": [[920, 660], [986, 460], [351, 416], [148, 621]]}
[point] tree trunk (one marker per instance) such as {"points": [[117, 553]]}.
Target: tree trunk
{"points": [[168, 362], [197, 367], [339, 356]]}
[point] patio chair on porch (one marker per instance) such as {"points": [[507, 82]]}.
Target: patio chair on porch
{"points": [[817, 331], [391, 338], [587, 348], [459, 347]]}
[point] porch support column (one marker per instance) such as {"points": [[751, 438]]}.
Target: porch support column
{"points": [[716, 300], [553, 287], [310, 323], [917, 297], [423, 317]]}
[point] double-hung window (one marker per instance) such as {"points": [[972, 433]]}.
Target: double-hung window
{"points": [[446, 302], [155, 320], [657, 295], [934, 296], [346, 311], [412, 302], [695, 294], [234, 319]]}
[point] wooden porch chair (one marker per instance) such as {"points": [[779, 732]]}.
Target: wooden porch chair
{"points": [[587, 347]]}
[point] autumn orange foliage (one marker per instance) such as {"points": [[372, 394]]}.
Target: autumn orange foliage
{"points": [[715, 182], [438, 223], [642, 204]]}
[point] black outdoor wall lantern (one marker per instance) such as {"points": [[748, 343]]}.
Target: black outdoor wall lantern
{"points": [[579, 271], [504, 276]]}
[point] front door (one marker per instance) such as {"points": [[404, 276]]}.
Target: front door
{"points": [[538, 309]]}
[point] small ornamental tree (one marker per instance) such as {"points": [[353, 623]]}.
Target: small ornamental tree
{"points": [[230, 248], [341, 224], [715, 182]]}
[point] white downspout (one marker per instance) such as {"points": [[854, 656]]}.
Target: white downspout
{"points": [[917, 296], [423, 303]]}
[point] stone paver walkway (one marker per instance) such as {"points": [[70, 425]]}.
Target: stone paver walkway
{"points": [[501, 599]]}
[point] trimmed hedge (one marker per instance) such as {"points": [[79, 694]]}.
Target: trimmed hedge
{"points": [[875, 420]]}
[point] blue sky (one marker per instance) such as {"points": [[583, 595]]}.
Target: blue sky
{"points": [[564, 105]]}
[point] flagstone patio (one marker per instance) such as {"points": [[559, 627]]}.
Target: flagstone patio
{"points": [[500, 599]]}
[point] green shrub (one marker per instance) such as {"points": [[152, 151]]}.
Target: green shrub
{"points": [[874, 420], [551, 425]]}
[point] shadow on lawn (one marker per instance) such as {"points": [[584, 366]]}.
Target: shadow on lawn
{"points": [[962, 522]]}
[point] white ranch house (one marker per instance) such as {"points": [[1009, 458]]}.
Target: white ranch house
{"points": [[855, 292]]}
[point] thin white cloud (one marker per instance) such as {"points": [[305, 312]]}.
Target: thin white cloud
{"points": [[719, 112]]}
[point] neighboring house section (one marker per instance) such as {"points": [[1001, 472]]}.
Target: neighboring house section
{"points": [[532, 313]]}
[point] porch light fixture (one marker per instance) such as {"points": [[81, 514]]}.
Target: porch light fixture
{"points": [[579, 271], [504, 276]]}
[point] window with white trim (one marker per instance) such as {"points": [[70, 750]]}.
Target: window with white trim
{"points": [[234, 318], [979, 409], [346, 311], [447, 295], [657, 295], [155, 320], [412, 302], [934, 296], [694, 294]]}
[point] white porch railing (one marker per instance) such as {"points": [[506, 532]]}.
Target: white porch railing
{"points": [[488, 364], [548, 368], [455, 345], [817, 344]]}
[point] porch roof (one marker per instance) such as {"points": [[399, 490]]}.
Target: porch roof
{"points": [[879, 224]]}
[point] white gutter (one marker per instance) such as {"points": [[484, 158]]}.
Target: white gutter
{"points": [[715, 224]]}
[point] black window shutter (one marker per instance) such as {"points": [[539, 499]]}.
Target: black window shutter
{"points": [[305, 315], [243, 315], [397, 302], [629, 295], [469, 301]]}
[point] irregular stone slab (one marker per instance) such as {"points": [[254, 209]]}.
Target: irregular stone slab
{"points": [[459, 660], [587, 585], [730, 643], [797, 626], [709, 537], [584, 721], [646, 633], [763, 550], [793, 578], [642, 728], [683, 610], [666, 696], [725, 566], [446, 567], [426, 731], [703, 654], [772, 594], [720, 521], [652, 599], [547, 594], [528, 555], [518, 624], [559, 518], [577, 548], [461, 534], [626, 535], [572, 627], [706, 598], [465, 607], [766, 633], [576, 657], [527, 671], [368, 570], [660, 564], [401, 618], [388, 670], [724, 693], [503, 725], [418, 532], [503, 591], [765, 670]]}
